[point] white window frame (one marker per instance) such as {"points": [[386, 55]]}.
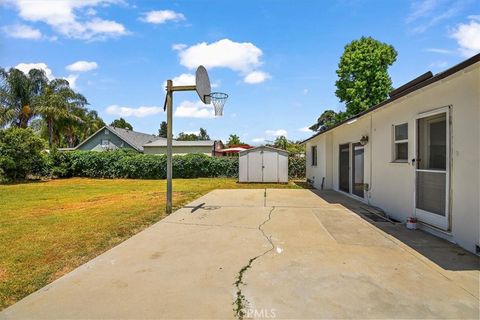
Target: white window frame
{"points": [[105, 145], [107, 132], [395, 142], [314, 155]]}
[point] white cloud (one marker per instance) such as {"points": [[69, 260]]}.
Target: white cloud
{"points": [[256, 77], [258, 140], [185, 79], [162, 16], [71, 18], [439, 50], [304, 129], [425, 14], [22, 31], [179, 46], [82, 66], [225, 53], [189, 109], [72, 80], [468, 37], [26, 67], [139, 112], [276, 133]]}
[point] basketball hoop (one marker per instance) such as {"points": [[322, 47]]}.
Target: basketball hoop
{"points": [[218, 100]]}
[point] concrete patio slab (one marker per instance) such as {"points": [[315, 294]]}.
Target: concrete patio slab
{"points": [[299, 254]]}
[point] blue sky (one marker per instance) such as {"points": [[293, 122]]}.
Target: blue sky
{"points": [[276, 59]]}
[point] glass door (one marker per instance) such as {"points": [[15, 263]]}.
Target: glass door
{"points": [[432, 169], [344, 168], [357, 169]]}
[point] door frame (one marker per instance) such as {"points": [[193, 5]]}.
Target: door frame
{"points": [[442, 222], [352, 173], [349, 167]]}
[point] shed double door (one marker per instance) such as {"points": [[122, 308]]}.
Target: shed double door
{"points": [[263, 166]]}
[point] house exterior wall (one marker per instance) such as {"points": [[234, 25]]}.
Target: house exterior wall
{"points": [[95, 142], [180, 150], [392, 185]]}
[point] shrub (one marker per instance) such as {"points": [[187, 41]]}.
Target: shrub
{"points": [[20, 154], [296, 167], [129, 164]]}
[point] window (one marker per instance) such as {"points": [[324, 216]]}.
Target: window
{"points": [[400, 143], [105, 143], [314, 155], [107, 132]]}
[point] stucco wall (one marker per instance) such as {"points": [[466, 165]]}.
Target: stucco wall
{"points": [[95, 142], [392, 185], [180, 150]]}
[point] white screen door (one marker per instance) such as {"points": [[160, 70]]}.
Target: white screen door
{"points": [[432, 168]]}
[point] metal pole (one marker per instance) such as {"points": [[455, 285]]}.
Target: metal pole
{"points": [[169, 145]]}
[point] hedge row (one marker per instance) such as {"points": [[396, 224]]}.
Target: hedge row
{"points": [[125, 164]]}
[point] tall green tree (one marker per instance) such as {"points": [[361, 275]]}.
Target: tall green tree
{"points": [[203, 135], [233, 140], [162, 132], [363, 79], [18, 92], [58, 103], [122, 124]]}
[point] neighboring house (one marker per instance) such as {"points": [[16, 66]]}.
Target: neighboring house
{"points": [[109, 138], [180, 147], [417, 154], [232, 150]]}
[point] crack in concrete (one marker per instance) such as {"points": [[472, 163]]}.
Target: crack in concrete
{"points": [[241, 302]]}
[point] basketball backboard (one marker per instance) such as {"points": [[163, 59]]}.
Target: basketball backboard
{"points": [[202, 84]]}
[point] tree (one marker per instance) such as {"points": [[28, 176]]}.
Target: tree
{"points": [[326, 120], [122, 124], [182, 136], [203, 135], [17, 95], [281, 142], [20, 153], [58, 103], [363, 79], [162, 132], [233, 139]]}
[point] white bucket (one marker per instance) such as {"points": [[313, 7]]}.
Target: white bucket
{"points": [[411, 223]]}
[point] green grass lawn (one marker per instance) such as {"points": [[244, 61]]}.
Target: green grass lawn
{"points": [[49, 228]]}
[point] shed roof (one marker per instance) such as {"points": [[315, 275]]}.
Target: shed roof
{"points": [[411, 86], [262, 148]]}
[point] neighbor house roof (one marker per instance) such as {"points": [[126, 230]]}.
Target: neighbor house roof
{"points": [[411, 86], [133, 138], [176, 143]]}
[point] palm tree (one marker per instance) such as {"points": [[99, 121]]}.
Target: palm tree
{"points": [[18, 92], [59, 103]]}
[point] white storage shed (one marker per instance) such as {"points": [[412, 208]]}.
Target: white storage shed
{"points": [[263, 164]]}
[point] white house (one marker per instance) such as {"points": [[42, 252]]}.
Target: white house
{"points": [[417, 154]]}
